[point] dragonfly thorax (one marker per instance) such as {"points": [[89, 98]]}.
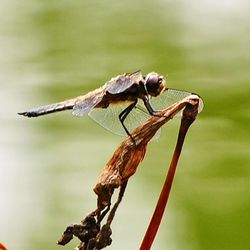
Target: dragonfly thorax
{"points": [[154, 83]]}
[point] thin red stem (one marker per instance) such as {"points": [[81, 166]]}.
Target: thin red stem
{"points": [[163, 199]]}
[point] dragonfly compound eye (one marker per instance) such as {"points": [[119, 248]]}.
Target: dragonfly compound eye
{"points": [[154, 84]]}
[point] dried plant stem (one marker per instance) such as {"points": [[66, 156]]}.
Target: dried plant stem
{"points": [[118, 170]]}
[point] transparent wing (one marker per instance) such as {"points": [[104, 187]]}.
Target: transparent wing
{"points": [[169, 97], [109, 118], [120, 83], [87, 103]]}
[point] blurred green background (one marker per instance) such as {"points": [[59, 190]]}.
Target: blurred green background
{"points": [[53, 50]]}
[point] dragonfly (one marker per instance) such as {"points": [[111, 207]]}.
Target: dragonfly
{"points": [[122, 103]]}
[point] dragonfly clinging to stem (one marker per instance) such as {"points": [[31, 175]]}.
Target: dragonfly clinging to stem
{"points": [[122, 103]]}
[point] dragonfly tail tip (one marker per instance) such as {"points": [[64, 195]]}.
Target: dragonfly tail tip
{"points": [[28, 114]]}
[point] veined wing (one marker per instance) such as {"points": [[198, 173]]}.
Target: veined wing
{"points": [[109, 118], [120, 83], [169, 97], [87, 102]]}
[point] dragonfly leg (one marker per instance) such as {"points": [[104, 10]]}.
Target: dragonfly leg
{"points": [[150, 109], [123, 115]]}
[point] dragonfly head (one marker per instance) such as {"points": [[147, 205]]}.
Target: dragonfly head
{"points": [[154, 83]]}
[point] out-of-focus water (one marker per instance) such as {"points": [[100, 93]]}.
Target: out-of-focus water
{"points": [[52, 50]]}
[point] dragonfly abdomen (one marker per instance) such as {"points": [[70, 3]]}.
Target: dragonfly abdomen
{"points": [[51, 108]]}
